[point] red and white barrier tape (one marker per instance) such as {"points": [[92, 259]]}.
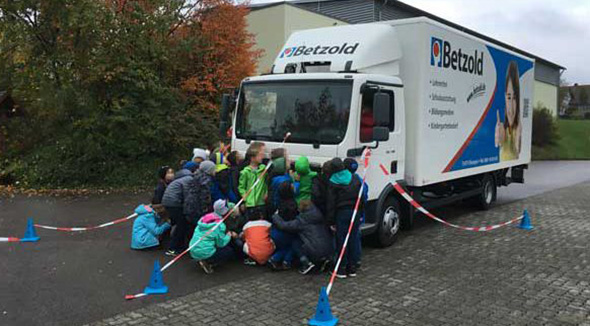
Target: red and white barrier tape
{"points": [[227, 215], [9, 239], [88, 228], [419, 207], [366, 157]]}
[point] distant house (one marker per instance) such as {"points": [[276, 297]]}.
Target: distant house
{"points": [[272, 23], [576, 101]]}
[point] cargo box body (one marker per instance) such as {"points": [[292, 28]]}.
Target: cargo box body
{"points": [[455, 91]]}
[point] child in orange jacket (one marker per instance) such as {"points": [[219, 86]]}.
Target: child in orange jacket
{"points": [[257, 242]]}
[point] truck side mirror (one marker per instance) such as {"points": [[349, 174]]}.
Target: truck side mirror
{"points": [[381, 107], [224, 112], [380, 133]]}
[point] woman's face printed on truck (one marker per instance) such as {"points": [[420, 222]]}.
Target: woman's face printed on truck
{"points": [[512, 97], [510, 103]]}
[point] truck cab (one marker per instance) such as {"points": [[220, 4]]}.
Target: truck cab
{"points": [[325, 90]]}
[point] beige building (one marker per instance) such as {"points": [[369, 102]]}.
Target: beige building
{"points": [[273, 24], [545, 95]]}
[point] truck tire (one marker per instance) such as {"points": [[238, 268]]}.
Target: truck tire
{"points": [[488, 193], [389, 220]]}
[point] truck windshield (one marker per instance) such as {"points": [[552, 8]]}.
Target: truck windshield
{"points": [[313, 111]]}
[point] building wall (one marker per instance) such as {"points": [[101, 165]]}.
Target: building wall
{"points": [[273, 25], [297, 19], [387, 12], [352, 11], [545, 95], [268, 27], [547, 74]]}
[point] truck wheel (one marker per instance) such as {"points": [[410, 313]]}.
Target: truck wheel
{"points": [[488, 193], [389, 223]]}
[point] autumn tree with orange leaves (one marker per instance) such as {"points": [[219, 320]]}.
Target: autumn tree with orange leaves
{"points": [[225, 54], [111, 89]]}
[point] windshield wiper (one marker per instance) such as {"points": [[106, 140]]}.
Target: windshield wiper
{"points": [[255, 136], [265, 137]]}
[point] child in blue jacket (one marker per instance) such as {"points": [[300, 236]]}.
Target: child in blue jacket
{"points": [[147, 228]]}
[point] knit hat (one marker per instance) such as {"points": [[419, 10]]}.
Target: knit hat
{"points": [[200, 153], [208, 167], [351, 165], [191, 166], [279, 166], [219, 160], [337, 165], [220, 207]]}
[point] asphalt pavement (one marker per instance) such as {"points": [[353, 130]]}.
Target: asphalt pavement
{"points": [[545, 176], [433, 275], [82, 277]]}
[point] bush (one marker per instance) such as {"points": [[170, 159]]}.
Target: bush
{"points": [[545, 131]]}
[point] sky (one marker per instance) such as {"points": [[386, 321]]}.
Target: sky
{"points": [[555, 30]]}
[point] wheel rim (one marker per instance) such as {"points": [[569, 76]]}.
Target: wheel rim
{"points": [[488, 193], [391, 220]]}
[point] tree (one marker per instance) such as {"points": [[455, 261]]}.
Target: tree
{"points": [[104, 85], [563, 94], [545, 130], [224, 55]]}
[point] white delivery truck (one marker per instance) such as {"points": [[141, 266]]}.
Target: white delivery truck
{"points": [[449, 114]]}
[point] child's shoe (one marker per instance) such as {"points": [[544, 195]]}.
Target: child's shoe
{"points": [[206, 267], [274, 265], [340, 274], [171, 253], [325, 266], [249, 262], [306, 268]]}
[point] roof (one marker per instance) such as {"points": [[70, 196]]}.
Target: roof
{"points": [[576, 90], [264, 5], [418, 12]]}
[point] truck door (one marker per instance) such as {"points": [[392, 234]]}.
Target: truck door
{"points": [[391, 152]]}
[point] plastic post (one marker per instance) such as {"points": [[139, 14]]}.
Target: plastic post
{"points": [[30, 233], [323, 314], [156, 285]]}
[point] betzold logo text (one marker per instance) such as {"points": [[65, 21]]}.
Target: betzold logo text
{"points": [[435, 52], [288, 52], [443, 55], [294, 51]]}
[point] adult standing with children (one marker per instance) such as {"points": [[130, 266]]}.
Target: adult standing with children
{"points": [[173, 200], [343, 191]]}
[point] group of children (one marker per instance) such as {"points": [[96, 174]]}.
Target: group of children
{"points": [[287, 217]]}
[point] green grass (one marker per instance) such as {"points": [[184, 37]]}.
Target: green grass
{"points": [[574, 142]]}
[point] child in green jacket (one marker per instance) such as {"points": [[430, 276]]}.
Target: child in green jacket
{"points": [[304, 178], [255, 202]]}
